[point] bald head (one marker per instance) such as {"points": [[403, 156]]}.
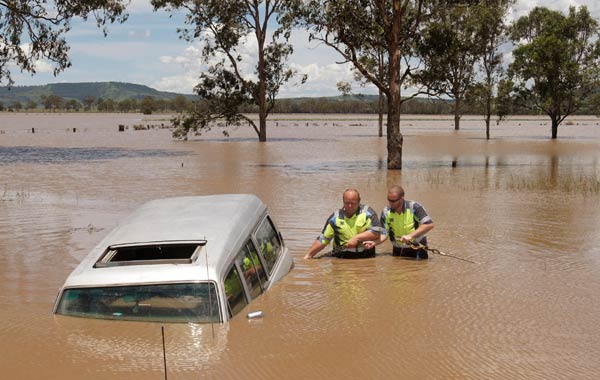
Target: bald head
{"points": [[351, 199]]}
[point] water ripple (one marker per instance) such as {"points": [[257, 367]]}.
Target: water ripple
{"points": [[45, 155]]}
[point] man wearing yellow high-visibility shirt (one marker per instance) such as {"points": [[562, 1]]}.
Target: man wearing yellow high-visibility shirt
{"points": [[404, 223], [349, 227]]}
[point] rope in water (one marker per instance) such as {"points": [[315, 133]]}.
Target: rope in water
{"points": [[415, 245]]}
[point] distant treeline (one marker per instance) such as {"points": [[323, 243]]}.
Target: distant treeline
{"points": [[363, 104], [148, 104]]}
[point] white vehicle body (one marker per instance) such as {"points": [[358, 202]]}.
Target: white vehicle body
{"points": [[186, 259]]}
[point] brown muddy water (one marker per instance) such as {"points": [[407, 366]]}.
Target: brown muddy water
{"points": [[525, 208]]}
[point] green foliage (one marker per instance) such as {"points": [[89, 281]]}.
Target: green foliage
{"points": [[491, 32], [73, 105], [85, 93], [360, 31], [148, 105], [31, 30], [52, 102], [224, 26], [556, 64], [449, 48], [344, 87]]}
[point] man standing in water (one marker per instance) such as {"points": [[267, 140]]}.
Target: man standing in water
{"points": [[349, 227], [404, 222]]}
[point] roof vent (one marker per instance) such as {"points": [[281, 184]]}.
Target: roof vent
{"points": [[176, 252]]}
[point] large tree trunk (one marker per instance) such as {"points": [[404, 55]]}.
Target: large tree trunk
{"points": [[262, 98], [554, 127], [457, 114], [394, 137], [488, 107], [262, 83]]}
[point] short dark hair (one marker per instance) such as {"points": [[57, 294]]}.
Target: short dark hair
{"points": [[397, 189]]}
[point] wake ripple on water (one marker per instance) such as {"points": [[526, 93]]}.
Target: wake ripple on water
{"points": [[45, 155]]}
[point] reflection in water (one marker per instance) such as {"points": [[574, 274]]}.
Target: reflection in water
{"points": [[523, 207]]}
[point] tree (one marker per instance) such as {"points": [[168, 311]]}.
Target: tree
{"points": [[52, 101], [88, 101], [225, 25], [375, 62], [449, 49], [126, 105], [491, 34], [33, 30], [31, 104], [148, 105], [556, 63], [179, 103], [105, 105], [73, 105], [355, 28], [100, 104], [345, 88]]}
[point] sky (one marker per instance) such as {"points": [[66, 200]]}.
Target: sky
{"points": [[147, 50]]}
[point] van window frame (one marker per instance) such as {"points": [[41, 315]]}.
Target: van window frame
{"points": [[244, 287], [269, 270]]}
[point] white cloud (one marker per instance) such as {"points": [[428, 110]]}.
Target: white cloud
{"points": [[140, 6], [184, 83], [42, 66], [145, 33], [522, 7]]}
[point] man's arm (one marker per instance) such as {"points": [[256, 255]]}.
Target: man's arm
{"points": [[315, 248], [369, 235], [420, 231]]}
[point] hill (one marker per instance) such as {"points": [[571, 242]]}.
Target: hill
{"points": [[116, 91]]}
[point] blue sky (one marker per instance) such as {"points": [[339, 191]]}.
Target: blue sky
{"points": [[147, 50]]}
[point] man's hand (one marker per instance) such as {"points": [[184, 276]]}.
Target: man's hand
{"points": [[369, 244], [406, 239], [353, 242]]}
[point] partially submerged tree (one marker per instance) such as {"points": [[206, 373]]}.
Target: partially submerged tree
{"points": [[490, 36], [354, 28], [33, 30], [556, 64], [449, 48], [224, 26], [375, 61]]}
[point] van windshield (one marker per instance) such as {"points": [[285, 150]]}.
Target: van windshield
{"points": [[189, 302]]}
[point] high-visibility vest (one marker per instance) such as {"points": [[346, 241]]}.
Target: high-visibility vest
{"points": [[400, 224], [341, 229]]}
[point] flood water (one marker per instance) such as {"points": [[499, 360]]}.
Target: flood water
{"points": [[526, 209]]}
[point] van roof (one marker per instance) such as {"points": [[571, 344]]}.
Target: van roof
{"points": [[222, 221]]}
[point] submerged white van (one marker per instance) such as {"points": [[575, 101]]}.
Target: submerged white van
{"points": [[187, 259]]}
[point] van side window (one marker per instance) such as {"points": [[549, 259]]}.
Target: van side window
{"points": [[269, 243], [252, 269], [236, 299]]}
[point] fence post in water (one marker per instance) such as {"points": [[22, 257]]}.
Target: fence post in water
{"points": [[32, 130], [121, 128], [74, 130]]}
